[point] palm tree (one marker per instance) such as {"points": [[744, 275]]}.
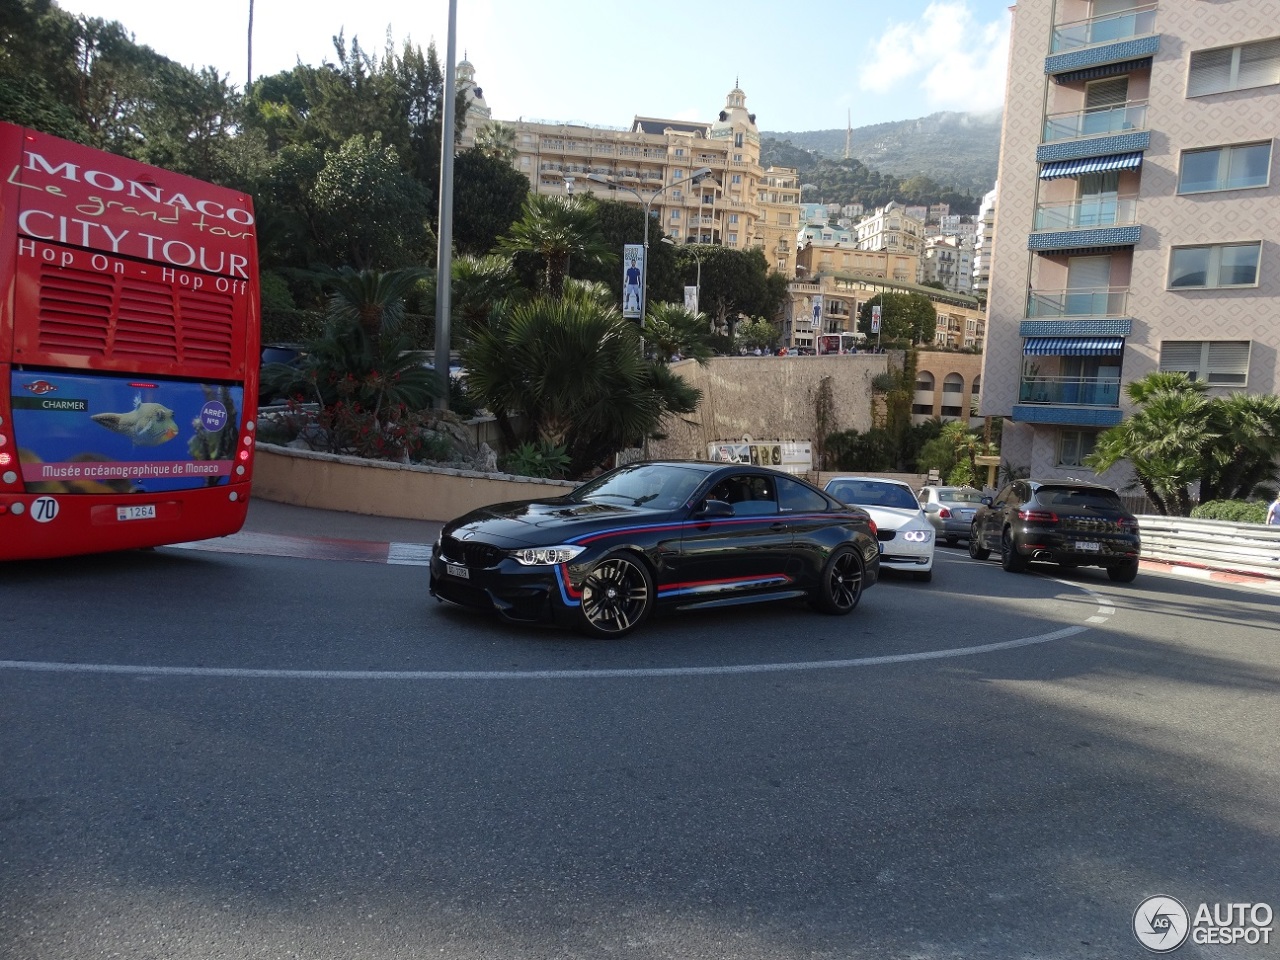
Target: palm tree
{"points": [[672, 330], [1247, 431], [557, 229], [373, 300], [481, 285], [1164, 441], [570, 370], [497, 140]]}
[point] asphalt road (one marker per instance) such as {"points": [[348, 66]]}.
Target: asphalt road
{"points": [[213, 755]]}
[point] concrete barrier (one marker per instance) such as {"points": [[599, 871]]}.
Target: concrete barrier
{"points": [[327, 481]]}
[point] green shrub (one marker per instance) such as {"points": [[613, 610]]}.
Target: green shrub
{"points": [[1235, 511], [543, 460]]}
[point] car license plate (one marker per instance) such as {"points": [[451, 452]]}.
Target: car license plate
{"points": [[142, 511], [1088, 546], [964, 514], [453, 570], [880, 545]]}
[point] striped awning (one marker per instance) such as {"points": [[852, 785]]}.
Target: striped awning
{"points": [[1073, 346], [1103, 70], [1074, 168]]}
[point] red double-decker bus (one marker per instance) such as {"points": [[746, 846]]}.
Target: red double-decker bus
{"points": [[129, 329]]}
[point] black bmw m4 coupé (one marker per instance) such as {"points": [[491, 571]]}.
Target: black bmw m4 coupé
{"points": [[678, 534]]}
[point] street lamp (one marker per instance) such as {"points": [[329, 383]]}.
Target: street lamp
{"points": [[697, 296], [613, 184]]}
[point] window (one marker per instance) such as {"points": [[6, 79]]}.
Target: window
{"points": [[736, 179], [733, 218], [737, 140], [675, 215], [1074, 446], [733, 238], [795, 497], [737, 158], [1221, 265], [679, 153], [1225, 168], [1216, 362], [1234, 68], [677, 175]]}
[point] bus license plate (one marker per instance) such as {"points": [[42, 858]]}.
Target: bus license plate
{"points": [[142, 511], [453, 570]]}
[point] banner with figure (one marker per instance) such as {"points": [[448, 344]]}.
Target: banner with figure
{"points": [[632, 275], [691, 300]]}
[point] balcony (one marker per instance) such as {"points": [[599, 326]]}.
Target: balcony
{"points": [[1084, 302], [1070, 391], [1087, 213], [1111, 28], [1092, 123]]}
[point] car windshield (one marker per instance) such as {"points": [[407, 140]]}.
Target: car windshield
{"points": [[873, 493], [1077, 497], [960, 496], [661, 485]]}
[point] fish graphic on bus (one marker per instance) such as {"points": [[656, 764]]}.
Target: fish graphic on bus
{"points": [[147, 425]]}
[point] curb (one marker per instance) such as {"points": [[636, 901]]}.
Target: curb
{"points": [[1217, 576]]}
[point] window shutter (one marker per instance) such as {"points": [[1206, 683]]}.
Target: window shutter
{"points": [[1181, 356], [1259, 64], [1210, 72], [1228, 362], [1106, 93]]}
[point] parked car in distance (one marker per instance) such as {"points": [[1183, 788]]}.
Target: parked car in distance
{"points": [[905, 534], [676, 534], [950, 510], [1068, 522]]}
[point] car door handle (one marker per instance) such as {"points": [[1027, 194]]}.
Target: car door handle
{"points": [[777, 526]]}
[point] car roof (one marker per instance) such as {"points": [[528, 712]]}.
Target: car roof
{"points": [[859, 479], [1074, 484]]}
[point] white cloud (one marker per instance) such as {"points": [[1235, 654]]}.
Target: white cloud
{"points": [[955, 61]]}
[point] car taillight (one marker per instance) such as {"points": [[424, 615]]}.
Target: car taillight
{"points": [[875, 532], [1037, 516], [1124, 523], [944, 513]]}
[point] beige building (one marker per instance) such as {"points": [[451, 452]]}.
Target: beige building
{"points": [[478, 112], [740, 205], [948, 385], [1139, 213], [893, 229]]}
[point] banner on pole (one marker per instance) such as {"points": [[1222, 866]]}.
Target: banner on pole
{"points": [[691, 299], [632, 274]]}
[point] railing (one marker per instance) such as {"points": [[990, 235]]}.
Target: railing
{"points": [[1071, 391], [1248, 548], [1103, 211], [1136, 22], [1085, 302], [1092, 123]]}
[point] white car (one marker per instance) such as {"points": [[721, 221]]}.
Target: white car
{"points": [[906, 536]]}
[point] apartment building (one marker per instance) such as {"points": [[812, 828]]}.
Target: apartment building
{"points": [[948, 260], [893, 229], [478, 113], [1139, 215], [740, 205], [983, 245]]}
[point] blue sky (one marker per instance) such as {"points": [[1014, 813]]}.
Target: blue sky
{"points": [[803, 65]]}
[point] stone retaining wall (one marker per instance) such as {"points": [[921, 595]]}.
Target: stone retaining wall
{"points": [[327, 481]]}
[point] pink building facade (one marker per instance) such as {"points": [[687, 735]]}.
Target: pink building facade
{"points": [[1138, 217]]}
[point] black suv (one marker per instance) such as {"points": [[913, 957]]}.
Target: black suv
{"points": [[1067, 522]]}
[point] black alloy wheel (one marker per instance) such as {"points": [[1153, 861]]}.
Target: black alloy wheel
{"points": [[1124, 572], [617, 596], [840, 587], [1010, 558], [976, 549]]}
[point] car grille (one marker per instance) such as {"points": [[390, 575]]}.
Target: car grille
{"points": [[480, 555]]}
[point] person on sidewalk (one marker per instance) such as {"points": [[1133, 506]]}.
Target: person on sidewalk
{"points": [[1273, 512]]}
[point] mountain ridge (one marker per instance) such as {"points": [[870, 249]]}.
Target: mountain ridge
{"points": [[955, 150]]}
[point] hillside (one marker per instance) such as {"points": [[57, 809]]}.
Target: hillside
{"points": [[958, 151]]}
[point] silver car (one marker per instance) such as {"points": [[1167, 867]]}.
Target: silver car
{"points": [[950, 510]]}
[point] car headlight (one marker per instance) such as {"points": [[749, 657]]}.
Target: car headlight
{"points": [[917, 536], [545, 556]]}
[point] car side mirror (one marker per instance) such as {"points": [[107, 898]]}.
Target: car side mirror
{"points": [[712, 509], [986, 501]]}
